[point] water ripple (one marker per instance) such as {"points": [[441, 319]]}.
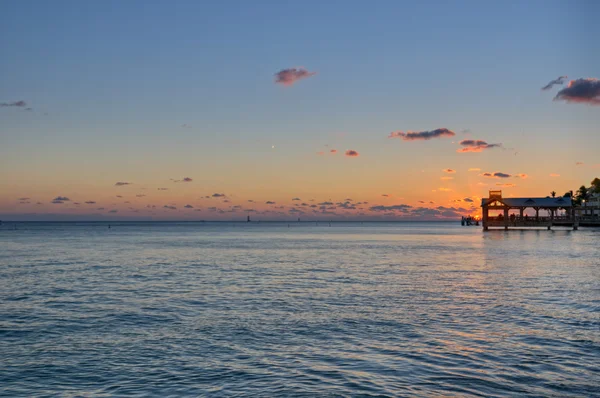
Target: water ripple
{"points": [[381, 310]]}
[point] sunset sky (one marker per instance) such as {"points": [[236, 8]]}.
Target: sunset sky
{"points": [[279, 109]]}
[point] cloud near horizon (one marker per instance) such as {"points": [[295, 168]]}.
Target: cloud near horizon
{"points": [[475, 146], [401, 207], [422, 135], [351, 153], [18, 104], [121, 183], [560, 80], [184, 179], [496, 174], [287, 77], [586, 90]]}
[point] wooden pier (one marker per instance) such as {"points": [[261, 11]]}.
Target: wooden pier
{"points": [[509, 219]]}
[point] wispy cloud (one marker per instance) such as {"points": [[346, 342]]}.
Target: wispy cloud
{"points": [[554, 175], [269, 202], [521, 175], [579, 163], [162, 189], [287, 77], [401, 208], [188, 206], [422, 135], [184, 179], [60, 199], [506, 185], [351, 153], [18, 104], [581, 91], [446, 178], [476, 146], [560, 80], [218, 195], [449, 171], [122, 183], [90, 202], [496, 174], [170, 207], [333, 151], [474, 169]]}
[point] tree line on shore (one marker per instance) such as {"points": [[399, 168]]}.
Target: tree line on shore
{"points": [[583, 193]]}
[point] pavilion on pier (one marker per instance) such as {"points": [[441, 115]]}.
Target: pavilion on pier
{"points": [[506, 219]]}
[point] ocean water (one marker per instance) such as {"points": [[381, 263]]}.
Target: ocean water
{"points": [[372, 309]]}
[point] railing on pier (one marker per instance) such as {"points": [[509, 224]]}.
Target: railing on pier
{"points": [[532, 221]]}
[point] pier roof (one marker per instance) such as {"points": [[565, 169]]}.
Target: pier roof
{"points": [[547, 203]]}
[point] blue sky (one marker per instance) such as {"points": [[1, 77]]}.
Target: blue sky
{"points": [[112, 82]]}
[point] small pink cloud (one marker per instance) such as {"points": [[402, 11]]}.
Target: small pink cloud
{"points": [[333, 151], [320, 153], [287, 77], [475, 146], [522, 175]]}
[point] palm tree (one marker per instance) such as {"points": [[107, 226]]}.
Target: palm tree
{"points": [[553, 193], [580, 195], [596, 184]]}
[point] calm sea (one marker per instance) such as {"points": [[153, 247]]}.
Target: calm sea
{"points": [[224, 309]]}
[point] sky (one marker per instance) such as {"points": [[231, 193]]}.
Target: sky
{"points": [[189, 110]]}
